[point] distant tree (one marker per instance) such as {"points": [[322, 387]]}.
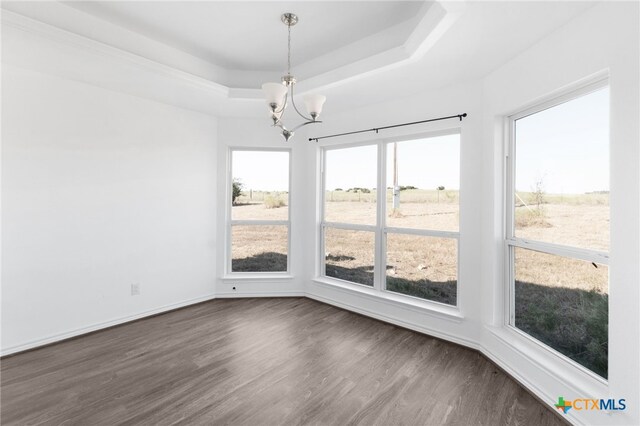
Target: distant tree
{"points": [[339, 189], [405, 188], [441, 188], [237, 190], [358, 189]]}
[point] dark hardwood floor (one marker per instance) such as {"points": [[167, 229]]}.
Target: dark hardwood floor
{"points": [[261, 362]]}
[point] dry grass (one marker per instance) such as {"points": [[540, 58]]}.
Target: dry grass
{"points": [[274, 202], [535, 218], [259, 248]]}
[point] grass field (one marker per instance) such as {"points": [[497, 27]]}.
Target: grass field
{"points": [[561, 302]]}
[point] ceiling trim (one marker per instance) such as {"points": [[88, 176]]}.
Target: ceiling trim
{"points": [[50, 32], [431, 23]]}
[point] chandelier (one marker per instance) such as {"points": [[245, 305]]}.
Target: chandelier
{"points": [[279, 95]]}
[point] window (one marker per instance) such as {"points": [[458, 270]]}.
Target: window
{"points": [[259, 211], [404, 239], [350, 212], [423, 182], [558, 225]]}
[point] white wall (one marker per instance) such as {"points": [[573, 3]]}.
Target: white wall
{"points": [[605, 39], [100, 190]]}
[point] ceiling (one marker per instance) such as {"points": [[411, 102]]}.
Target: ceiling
{"points": [[356, 53], [249, 36]]}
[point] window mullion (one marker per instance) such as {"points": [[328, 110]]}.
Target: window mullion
{"points": [[381, 192]]}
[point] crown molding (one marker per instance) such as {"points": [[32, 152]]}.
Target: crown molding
{"points": [[53, 33], [429, 25]]}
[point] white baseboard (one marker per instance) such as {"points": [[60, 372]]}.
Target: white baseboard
{"points": [[396, 321], [234, 295], [99, 326], [542, 396]]}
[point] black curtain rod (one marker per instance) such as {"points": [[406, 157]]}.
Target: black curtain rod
{"points": [[376, 129]]}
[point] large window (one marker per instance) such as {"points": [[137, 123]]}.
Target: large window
{"points": [[403, 239], [258, 232], [558, 225], [350, 213]]}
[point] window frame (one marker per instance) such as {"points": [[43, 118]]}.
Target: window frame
{"points": [[380, 229], [511, 242], [230, 222]]}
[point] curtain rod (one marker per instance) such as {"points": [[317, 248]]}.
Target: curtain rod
{"points": [[376, 129]]}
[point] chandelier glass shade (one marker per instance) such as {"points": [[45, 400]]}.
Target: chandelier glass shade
{"points": [[280, 95]]}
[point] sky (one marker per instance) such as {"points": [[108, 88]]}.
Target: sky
{"points": [[566, 147], [424, 163], [261, 170]]}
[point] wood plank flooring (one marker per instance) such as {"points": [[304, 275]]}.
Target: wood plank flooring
{"points": [[289, 361]]}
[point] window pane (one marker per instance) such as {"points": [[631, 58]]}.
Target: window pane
{"points": [[260, 185], [349, 255], [350, 185], [424, 267], [562, 173], [564, 303], [423, 182], [259, 248]]}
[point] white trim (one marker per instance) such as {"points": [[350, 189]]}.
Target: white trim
{"points": [[59, 35], [415, 304], [379, 254], [453, 130], [257, 276], [266, 294], [517, 333], [401, 323], [349, 226], [333, 146], [102, 325], [591, 85], [508, 216], [260, 222], [560, 250], [545, 397], [422, 232], [420, 328]]}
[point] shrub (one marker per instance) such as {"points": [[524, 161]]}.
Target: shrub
{"points": [[273, 202], [237, 190]]}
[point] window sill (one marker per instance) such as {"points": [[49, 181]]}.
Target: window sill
{"points": [[549, 359], [435, 309], [258, 276]]}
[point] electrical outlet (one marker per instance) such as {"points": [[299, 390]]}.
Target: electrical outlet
{"points": [[135, 289]]}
